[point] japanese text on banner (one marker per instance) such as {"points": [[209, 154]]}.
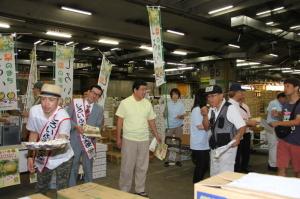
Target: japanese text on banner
{"points": [[8, 88], [103, 79], [64, 71], [156, 40]]}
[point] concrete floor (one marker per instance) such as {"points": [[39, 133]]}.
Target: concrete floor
{"points": [[162, 183]]}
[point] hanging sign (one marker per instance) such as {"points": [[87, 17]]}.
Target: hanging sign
{"points": [[9, 161], [103, 79], [157, 46], [8, 88], [64, 71]]}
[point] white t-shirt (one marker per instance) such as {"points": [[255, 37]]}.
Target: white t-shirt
{"points": [[37, 121], [199, 137], [233, 115]]}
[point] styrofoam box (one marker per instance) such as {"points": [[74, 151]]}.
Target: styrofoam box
{"points": [[101, 147], [99, 161], [97, 168], [100, 155], [99, 174]]}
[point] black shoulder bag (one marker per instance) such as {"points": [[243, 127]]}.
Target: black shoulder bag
{"points": [[284, 131]]}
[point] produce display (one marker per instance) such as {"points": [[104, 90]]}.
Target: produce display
{"points": [[48, 145], [91, 131]]}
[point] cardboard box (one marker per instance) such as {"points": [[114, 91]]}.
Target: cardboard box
{"points": [[94, 191], [101, 147], [215, 188], [185, 139], [99, 168], [99, 174], [100, 155], [99, 161]]}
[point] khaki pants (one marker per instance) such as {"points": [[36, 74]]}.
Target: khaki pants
{"points": [[135, 160], [177, 132]]}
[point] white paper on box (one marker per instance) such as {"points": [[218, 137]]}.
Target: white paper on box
{"points": [[153, 145]]}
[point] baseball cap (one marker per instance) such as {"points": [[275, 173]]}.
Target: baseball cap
{"points": [[213, 89], [236, 87], [294, 81]]}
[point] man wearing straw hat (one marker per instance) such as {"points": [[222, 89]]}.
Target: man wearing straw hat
{"points": [[48, 121]]}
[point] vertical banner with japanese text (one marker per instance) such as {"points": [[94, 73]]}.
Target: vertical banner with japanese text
{"points": [[64, 71], [157, 45], [103, 79], [9, 163], [32, 79], [8, 86]]}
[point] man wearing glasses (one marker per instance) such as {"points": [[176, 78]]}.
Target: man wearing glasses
{"points": [[227, 127], [84, 111]]}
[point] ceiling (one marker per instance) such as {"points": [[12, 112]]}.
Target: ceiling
{"points": [[127, 22]]}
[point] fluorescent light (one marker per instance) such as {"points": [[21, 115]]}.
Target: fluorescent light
{"points": [[43, 66], [175, 32], [176, 64], [287, 71], [240, 60], [178, 52], [59, 34], [86, 48], [70, 42], [115, 49], [49, 59], [220, 9], [186, 68], [234, 46], [4, 25], [37, 42], [76, 10], [275, 87], [295, 27], [247, 64], [171, 69], [146, 47], [279, 8], [149, 60], [269, 23], [273, 55], [108, 41], [264, 12]]}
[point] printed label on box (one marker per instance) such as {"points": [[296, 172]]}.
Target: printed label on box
{"points": [[203, 195]]}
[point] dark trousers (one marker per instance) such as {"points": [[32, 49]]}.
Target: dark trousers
{"points": [[201, 160], [243, 154]]}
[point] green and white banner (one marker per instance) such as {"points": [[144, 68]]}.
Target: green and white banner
{"points": [[32, 79], [64, 71], [103, 79], [8, 88], [157, 45]]}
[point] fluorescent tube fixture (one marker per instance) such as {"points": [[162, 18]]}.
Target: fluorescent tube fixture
{"points": [[220, 9], [76, 10], [186, 68], [171, 69], [87, 48], [49, 59], [176, 64], [146, 47], [108, 41], [4, 25], [247, 64], [240, 60], [234, 46], [295, 27], [264, 12], [270, 23], [37, 42], [43, 66], [70, 42], [273, 55], [277, 9], [178, 52], [59, 34], [175, 32], [149, 60], [115, 49]]}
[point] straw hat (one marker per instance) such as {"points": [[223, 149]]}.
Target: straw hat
{"points": [[51, 90]]}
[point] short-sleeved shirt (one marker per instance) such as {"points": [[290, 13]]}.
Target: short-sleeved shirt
{"points": [[233, 115], [294, 137], [36, 123], [175, 109], [273, 105], [136, 115], [245, 113], [199, 137]]}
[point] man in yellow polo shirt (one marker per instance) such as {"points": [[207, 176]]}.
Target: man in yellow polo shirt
{"points": [[135, 116]]}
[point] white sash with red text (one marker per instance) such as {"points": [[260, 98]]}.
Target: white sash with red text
{"points": [[48, 132], [81, 118]]}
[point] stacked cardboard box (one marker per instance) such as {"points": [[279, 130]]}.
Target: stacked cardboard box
{"points": [[99, 164], [159, 120]]}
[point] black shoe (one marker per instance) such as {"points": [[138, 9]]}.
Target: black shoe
{"points": [[166, 164], [178, 163], [143, 194], [274, 169]]}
